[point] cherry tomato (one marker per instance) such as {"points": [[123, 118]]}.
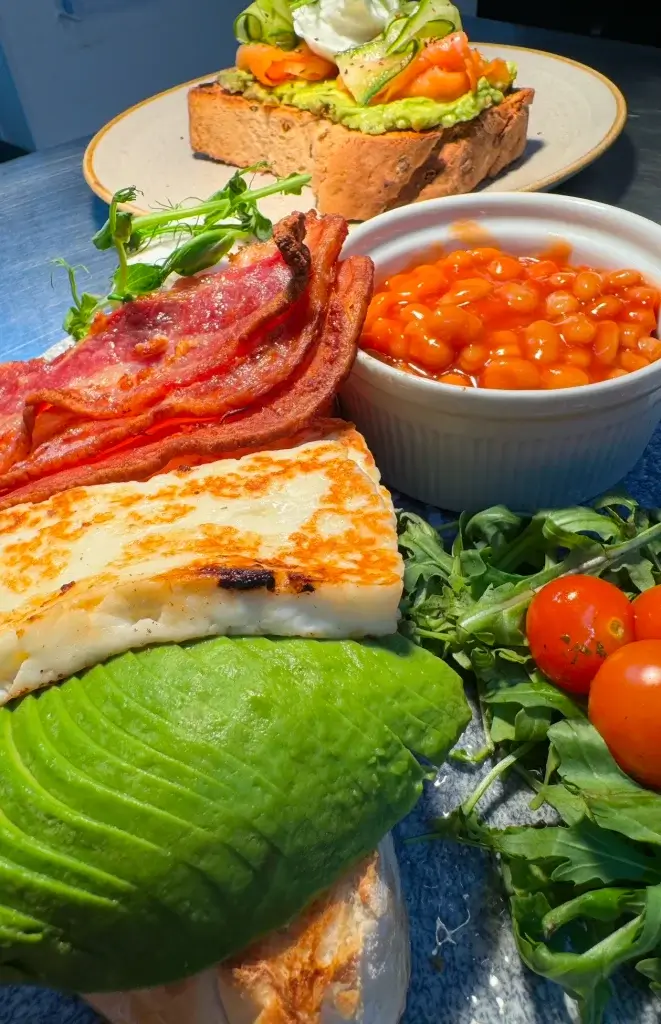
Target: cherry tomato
{"points": [[573, 624], [647, 615], [625, 707]]}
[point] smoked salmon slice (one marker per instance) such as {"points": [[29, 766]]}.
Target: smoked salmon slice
{"points": [[272, 66]]}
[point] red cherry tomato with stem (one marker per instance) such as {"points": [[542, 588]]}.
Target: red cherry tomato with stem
{"points": [[625, 707], [647, 615], [573, 624]]}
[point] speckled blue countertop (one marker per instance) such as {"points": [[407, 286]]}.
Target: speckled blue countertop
{"points": [[465, 966]]}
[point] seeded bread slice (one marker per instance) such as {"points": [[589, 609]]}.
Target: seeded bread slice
{"points": [[353, 174]]}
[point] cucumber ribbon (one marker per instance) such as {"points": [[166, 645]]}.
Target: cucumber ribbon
{"points": [[271, 21]]}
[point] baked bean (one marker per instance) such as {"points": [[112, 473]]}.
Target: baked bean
{"points": [[633, 361], [382, 303], [587, 285], [540, 269], [542, 342], [430, 280], [470, 289], [400, 348], [505, 343], [403, 285], [561, 303], [577, 330], [459, 262], [607, 308], [383, 332], [564, 377], [506, 268], [472, 358], [578, 357], [415, 311], [563, 279], [459, 379], [642, 296], [650, 348], [497, 339], [647, 318], [618, 279], [607, 342], [456, 324], [510, 374], [506, 350], [427, 350], [630, 334], [484, 254], [522, 298]]}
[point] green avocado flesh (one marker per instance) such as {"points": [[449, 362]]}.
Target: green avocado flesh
{"points": [[167, 808], [327, 99]]}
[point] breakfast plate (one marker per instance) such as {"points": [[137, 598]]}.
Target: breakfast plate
{"points": [[577, 114], [186, 747]]}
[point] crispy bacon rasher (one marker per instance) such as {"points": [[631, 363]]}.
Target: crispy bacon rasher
{"points": [[228, 361]]}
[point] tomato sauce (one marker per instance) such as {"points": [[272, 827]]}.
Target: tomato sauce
{"points": [[483, 318]]}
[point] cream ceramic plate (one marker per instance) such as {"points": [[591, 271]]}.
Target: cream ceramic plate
{"points": [[576, 116]]}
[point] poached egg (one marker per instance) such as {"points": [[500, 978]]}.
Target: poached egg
{"points": [[330, 27]]}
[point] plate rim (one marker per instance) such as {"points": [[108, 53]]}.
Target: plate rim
{"points": [[540, 185]]}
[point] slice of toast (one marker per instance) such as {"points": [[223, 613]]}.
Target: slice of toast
{"points": [[353, 174]]}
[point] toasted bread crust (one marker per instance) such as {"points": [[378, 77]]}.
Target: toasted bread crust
{"points": [[353, 174]]}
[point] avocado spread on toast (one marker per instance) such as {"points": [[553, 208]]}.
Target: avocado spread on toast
{"points": [[328, 99]]}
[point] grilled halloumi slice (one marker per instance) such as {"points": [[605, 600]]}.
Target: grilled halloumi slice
{"points": [[296, 542]]}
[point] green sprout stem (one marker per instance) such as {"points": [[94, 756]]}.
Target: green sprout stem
{"points": [[469, 805], [479, 620], [123, 265], [144, 224]]}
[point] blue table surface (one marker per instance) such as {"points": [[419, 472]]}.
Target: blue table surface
{"points": [[46, 211]]}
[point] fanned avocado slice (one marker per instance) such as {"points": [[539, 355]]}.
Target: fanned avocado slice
{"points": [[367, 69], [162, 811]]}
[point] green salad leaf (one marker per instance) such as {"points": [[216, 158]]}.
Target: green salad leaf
{"points": [[582, 854], [614, 801], [614, 927], [165, 809], [585, 893], [535, 694], [651, 969]]}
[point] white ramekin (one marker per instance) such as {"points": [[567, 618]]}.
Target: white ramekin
{"points": [[467, 448]]}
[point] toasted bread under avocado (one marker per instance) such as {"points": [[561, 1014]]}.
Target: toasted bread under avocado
{"points": [[355, 174]]}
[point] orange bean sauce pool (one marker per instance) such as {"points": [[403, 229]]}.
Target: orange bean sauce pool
{"points": [[483, 318]]}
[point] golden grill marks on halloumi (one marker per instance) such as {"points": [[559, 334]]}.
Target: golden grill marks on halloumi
{"points": [[295, 542]]}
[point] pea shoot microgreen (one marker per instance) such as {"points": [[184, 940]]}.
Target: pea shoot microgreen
{"points": [[202, 234]]}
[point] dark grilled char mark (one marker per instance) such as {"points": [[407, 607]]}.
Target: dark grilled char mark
{"points": [[241, 579], [259, 579], [301, 584]]}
